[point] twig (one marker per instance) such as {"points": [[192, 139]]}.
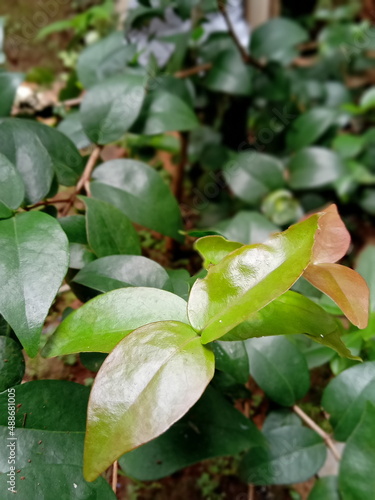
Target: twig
{"points": [[185, 73], [69, 103], [247, 58], [251, 492], [178, 180], [315, 427], [84, 180], [47, 202], [114, 476]]}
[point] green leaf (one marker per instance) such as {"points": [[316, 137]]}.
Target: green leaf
{"points": [[251, 176], [247, 227], [163, 361], [39, 152], [12, 190], [9, 82], [365, 266], [348, 146], [232, 358], [109, 231], [248, 279], [212, 428], [139, 191], [214, 248], [294, 454], [345, 398], [12, 364], [167, 107], [104, 58], [120, 271], [74, 227], [229, 74], [101, 323], [276, 40], [110, 108], [367, 100], [315, 354], [71, 126], [325, 488], [79, 255], [48, 481], [279, 368], [309, 127], [280, 418], [31, 272], [315, 167], [356, 476]]}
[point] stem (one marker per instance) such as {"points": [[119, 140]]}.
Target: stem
{"points": [[247, 58], [46, 202], [315, 427], [193, 71], [84, 180], [178, 181], [251, 492], [114, 476]]}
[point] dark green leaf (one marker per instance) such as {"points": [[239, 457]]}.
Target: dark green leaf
{"points": [[79, 255], [74, 227], [247, 227], [120, 271], [160, 362], [31, 271], [109, 231], [12, 364], [252, 175], [8, 87], [310, 126], [365, 266], [111, 107], [39, 152], [71, 126], [139, 191], [12, 190], [92, 360], [212, 428], [315, 167], [232, 358], [280, 418], [325, 488], [348, 146], [101, 323], [279, 368], [345, 398]]}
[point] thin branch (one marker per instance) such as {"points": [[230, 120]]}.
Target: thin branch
{"points": [[178, 179], [315, 427], [247, 58], [46, 202], [185, 73], [69, 103], [84, 180], [114, 476], [251, 492]]}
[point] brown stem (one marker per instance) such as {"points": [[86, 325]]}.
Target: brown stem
{"points": [[315, 427], [247, 58], [178, 180], [69, 103], [47, 202], [84, 179], [114, 476], [251, 492], [193, 71]]}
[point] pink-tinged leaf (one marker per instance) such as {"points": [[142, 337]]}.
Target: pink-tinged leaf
{"points": [[332, 239], [345, 286]]}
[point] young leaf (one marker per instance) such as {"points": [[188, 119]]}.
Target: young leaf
{"points": [[294, 454], [110, 108], [248, 279], [212, 428], [109, 231], [103, 321], [279, 368], [148, 382], [345, 398], [214, 248], [32, 268], [356, 477], [139, 191]]}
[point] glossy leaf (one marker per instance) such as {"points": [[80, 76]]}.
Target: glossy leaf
{"points": [[31, 272], [162, 369], [12, 364], [247, 227], [101, 323], [212, 428], [251, 176], [9, 82], [345, 398], [109, 231], [120, 271], [214, 248], [249, 279], [232, 358], [309, 127], [279, 368], [167, 107], [104, 58], [39, 152], [294, 454], [111, 107], [12, 190], [325, 487], [139, 191], [314, 167], [79, 255], [356, 476]]}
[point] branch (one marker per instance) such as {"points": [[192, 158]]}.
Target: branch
{"points": [[46, 202], [247, 58], [193, 71], [84, 180], [114, 476], [178, 178], [315, 427]]}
